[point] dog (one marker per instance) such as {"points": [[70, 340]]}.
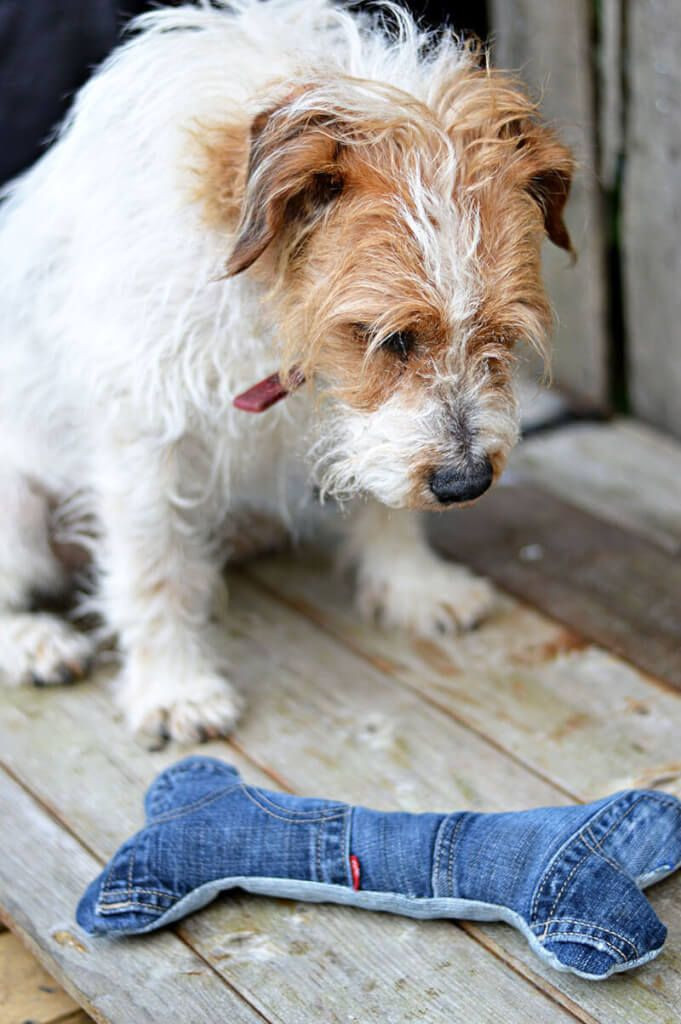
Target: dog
{"points": [[284, 197]]}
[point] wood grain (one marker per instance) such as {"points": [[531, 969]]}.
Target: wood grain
{"points": [[652, 211], [608, 584], [27, 992], [322, 720], [293, 963], [43, 872], [548, 42], [622, 471]]}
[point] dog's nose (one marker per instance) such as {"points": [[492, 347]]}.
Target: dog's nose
{"points": [[455, 485]]}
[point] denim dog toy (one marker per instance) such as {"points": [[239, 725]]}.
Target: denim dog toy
{"points": [[569, 878]]}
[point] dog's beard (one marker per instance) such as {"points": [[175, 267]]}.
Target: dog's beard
{"points": [[376, 453], [389, 453]]}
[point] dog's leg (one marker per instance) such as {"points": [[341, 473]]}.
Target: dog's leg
{"points": [[34, 647], [401, 581], [160, 577]]}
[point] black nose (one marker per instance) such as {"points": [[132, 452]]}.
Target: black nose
{"points": [[455, 485]]}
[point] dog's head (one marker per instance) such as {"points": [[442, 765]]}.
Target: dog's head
{"points": [[400, 239]]}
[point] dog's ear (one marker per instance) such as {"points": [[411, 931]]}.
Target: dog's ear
{"points": [[549, 170], [551, 189], [292, 173]]}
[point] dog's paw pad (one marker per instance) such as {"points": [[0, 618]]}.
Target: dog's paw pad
{"points": [[45, 650], [204, 708]]}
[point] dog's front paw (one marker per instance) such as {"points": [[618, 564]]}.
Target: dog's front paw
{"points": [[428, 597], [41, 649], [188, 709]]}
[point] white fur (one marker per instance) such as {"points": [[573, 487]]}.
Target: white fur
{"points": [[401, 583], [122, 346]]}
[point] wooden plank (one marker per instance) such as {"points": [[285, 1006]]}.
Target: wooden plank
{"points": [[321, 720], [549, 41], [622, 471], [610, 585], [652, 211], [610, 55], [578, 716], [43, 871], [294, 963], [27, 992]]}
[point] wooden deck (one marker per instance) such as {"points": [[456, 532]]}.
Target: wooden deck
{"points": [[571, 691]]}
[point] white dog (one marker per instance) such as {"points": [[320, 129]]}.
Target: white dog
{"points": [[245, 189]]}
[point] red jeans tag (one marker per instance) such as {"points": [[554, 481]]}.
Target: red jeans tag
{"points": [[354, 871]]}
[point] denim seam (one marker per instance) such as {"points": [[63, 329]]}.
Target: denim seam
{"points": [[318, 852], [450, 861], [596, 849], [116, 908], [439, 847], [163, 784], [596, 852], [333, 810], [587, 924], [570, 842], [107, 885], [195, 806], [347, 847], [137, 888], [560, 936], [295, 820]]}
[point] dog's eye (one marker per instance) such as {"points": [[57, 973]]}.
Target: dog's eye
{"points": [[400, 343]]}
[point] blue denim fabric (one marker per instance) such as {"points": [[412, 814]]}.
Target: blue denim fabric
{"points": [[568, 877]]}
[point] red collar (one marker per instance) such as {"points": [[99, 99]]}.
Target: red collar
{"points": [[267, 392]]}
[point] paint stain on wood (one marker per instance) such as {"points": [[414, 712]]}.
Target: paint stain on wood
{"points": [[572, 724], [565, 642], [638, 707], [434, 656], [66, 938]]}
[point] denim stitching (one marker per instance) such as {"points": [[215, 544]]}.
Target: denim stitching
{"points": [[137, 888], [195, 806], [598, 852], [264, 798], [572, 840], [579, 935], [115, 908], [588, 924], [293, 820], [439, 843], [163, 784], [596, 849], [450, 863]]}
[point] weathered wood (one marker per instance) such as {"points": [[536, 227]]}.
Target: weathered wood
{"points": [[321, 720], [581, 718], [610, 16], [293, 962], [652, 211], [549, 42], [622, 471], [43, 871], [607, 583], [27, 992]]}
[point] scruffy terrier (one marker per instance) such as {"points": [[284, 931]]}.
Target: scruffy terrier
{"points": [[245, 189]]}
